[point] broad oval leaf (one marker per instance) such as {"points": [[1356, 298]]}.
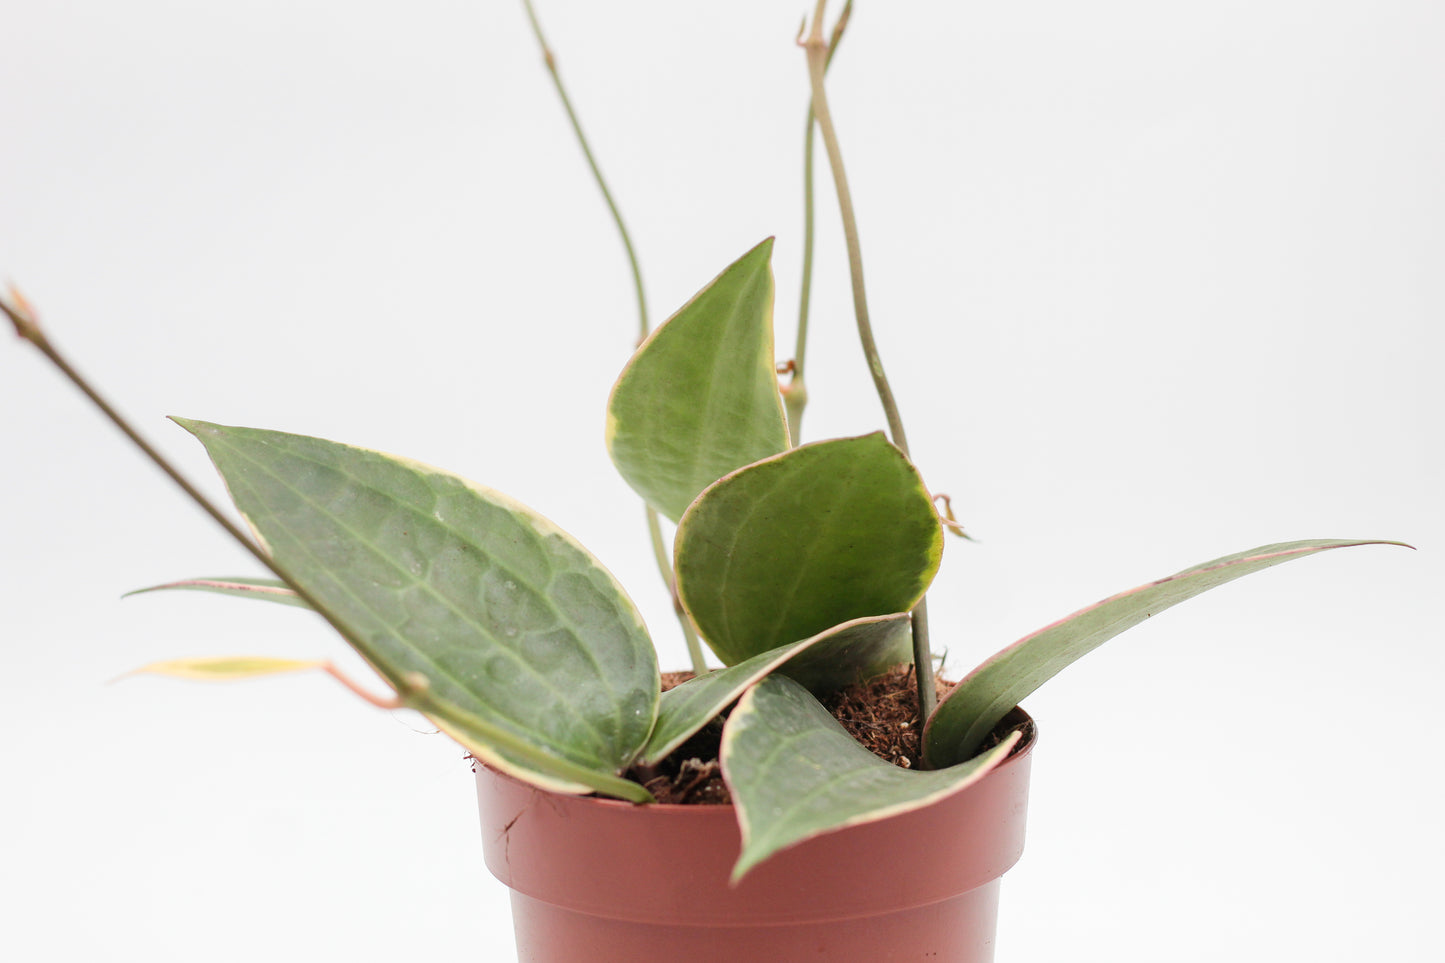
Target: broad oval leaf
{"points": [[688, 707], [962, 721], [794, 773], [787, 547], [458, 595], [700, 397], [265, 589]]}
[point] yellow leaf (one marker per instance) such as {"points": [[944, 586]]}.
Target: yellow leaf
{"points": [[226, 668]]}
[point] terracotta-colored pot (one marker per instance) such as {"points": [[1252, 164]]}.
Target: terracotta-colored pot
{"points": [[597, 880]]}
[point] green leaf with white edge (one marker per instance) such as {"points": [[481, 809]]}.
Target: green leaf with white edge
{"points": [[500, 748], [226, 668], [964, 719], [794, 544], [847, 658], [794, 773], [688, 707], [265, 589], [481, 612], [700, 397]]}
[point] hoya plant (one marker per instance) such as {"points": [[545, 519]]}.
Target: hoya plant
{"points": [[802, 566]]}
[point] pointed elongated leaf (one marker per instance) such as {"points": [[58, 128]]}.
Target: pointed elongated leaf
{"points": [[700, 397], [787, 547], [986, 695], [847, 658], [265, 589], [795, 772], [226, 668], [688, 707], [503, 616]]}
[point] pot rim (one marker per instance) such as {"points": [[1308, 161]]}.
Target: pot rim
{"points": [[1017, 718]]}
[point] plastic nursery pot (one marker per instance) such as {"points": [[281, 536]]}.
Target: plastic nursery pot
{"points": [[601, 880]]}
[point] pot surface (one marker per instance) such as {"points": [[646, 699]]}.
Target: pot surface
{"points": [[599, 879]]}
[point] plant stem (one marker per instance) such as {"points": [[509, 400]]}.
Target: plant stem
{"points": [[817, 50], [654, 526], [29, 329], [795, 396], [551, 62], [689, 634]]}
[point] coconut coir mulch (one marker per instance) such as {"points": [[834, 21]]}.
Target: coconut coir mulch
{"points": [[882, 714]]}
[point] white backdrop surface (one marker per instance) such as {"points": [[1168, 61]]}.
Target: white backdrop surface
{"points": [[1154, 282]]}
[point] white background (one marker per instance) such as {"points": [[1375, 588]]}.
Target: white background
{"points": [[1155, 282]]}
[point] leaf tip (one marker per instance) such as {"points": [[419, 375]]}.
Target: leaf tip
{"points": [[21, 314]]}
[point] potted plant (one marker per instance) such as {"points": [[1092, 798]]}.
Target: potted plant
{"points": [[802, 565]]}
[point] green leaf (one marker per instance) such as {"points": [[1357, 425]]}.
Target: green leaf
{"points": [[965, 718], [499, 748], [787, 547], [795, 773], [265, 589], [226, 668], [845, 658], [688, 707], [700, 397], [471, 605]]}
